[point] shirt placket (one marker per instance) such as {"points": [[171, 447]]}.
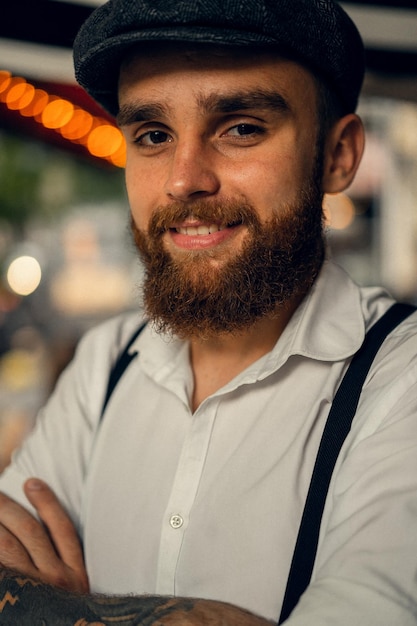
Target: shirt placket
{"points": [[183, 494]]}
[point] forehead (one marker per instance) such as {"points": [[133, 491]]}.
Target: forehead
{"points": [[214, 67]]}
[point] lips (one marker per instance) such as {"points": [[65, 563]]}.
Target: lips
{"points": [[194, 227], [195, 234]]}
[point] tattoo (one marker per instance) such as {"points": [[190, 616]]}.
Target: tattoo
{"points": [[142, 610], [25, 602]]}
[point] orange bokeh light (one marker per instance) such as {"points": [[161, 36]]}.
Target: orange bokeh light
{"points": [[5, 78], [15, 91], [20, 96], [104, 140], [100, 137], [11, 85], [57, 113], [36, 105], [78, 126], [119, 158]]}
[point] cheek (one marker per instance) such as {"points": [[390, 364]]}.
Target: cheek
{"points": [[140, 195], [269, 183]]}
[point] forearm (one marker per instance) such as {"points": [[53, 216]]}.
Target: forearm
{"points": [[26, 602]]}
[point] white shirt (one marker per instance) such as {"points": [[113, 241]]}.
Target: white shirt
{"points": [[208, 504]]}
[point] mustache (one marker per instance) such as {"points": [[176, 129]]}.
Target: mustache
{"points": [[226, 213]]}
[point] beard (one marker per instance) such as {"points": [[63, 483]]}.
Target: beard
{"points": [[193, 296]]}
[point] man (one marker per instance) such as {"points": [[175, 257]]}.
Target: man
{"points": [[238, 117]]}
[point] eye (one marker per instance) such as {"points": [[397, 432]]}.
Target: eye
{"points": [[245, 130], [153, 138]]}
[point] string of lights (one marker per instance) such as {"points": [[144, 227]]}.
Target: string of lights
{"points": [[100, 138]]}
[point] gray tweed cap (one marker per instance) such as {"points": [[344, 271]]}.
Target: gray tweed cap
{"points": [[317, 33]]}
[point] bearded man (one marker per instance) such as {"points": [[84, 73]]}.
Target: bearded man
{"points": [[180, 503]]}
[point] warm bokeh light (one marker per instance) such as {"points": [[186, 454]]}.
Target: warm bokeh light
{"points": [[119, 158], [24, 275], [7, 95], [99, 136], [37, 104], [5, 78], [78, 126], [19, 95], [57, 113], [27, 95], [339, 211], [104, 140]]}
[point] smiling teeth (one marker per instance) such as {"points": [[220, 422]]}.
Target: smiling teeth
{"points": [[200, 230]]}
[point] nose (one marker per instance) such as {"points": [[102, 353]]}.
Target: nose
{"points": [[192, 172]]}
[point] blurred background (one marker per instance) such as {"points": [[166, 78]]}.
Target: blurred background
{"points": [[66, 260]]}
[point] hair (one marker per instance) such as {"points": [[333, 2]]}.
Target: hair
{"points": [[329, 109]]}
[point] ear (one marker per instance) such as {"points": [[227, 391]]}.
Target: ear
{"points": [[343, 152]]}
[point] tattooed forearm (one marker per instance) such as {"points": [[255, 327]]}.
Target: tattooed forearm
{"points": [[25, 602]]}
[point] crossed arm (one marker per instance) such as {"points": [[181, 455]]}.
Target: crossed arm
{"points": [[43, 578]]}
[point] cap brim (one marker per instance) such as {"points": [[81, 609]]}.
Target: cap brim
{"points": [[99, 68]]}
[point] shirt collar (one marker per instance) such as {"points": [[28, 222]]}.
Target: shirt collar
{"points": [[327, 326]]}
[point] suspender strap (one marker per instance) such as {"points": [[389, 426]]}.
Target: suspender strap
{"points": [[123, 361], [336, 429]]}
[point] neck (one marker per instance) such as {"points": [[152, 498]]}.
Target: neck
{"points": [[217, 360]]}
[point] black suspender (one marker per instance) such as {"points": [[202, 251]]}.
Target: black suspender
{"points": [[336, 429], [119, 367]]}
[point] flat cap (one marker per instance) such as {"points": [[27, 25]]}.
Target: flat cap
{"points": [[317, 33]]}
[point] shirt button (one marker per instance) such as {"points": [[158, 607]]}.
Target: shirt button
{"points": [[176, 521]]}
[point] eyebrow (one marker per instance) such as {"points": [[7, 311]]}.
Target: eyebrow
{"points": [[213, 103], [243, 101], [132, 113]]}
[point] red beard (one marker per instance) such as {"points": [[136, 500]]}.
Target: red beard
{"points": [[277, 263]]}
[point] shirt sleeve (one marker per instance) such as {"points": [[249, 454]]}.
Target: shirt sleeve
{"points": [[58, 448], [366, 566]]}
